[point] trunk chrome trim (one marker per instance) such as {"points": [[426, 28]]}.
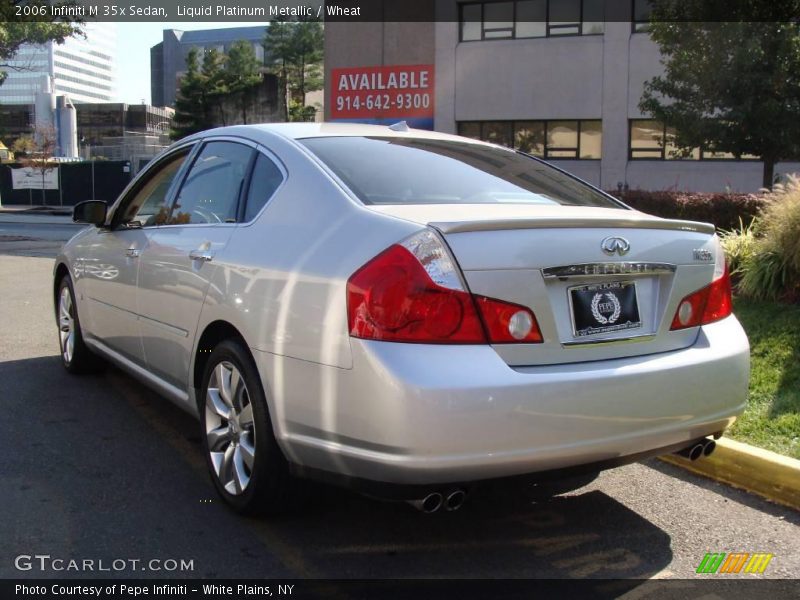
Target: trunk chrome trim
{"points": [[571, 223], [610, 341], [606, 269]]}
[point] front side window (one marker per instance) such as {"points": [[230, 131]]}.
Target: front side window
{"points": [[385, 170], [210, 193], [149, 202]]}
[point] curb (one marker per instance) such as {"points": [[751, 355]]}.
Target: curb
{"points": [[768, 474]]}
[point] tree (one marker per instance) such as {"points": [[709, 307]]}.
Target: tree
{"points": [[730, 86], [201, 94], [306, 76], [34, 30], [295, 53], [38, 150], [216, 84], [278, 50], [190, 110], [243, 73]]}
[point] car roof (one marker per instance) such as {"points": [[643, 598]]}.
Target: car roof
{"points": [[299, 131]]}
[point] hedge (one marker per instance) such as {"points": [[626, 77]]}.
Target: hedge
{"points": [[722, 209]]}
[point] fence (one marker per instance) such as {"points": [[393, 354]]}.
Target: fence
{"points": [[95, 180]]}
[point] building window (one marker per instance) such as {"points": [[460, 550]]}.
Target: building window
{"points": [[649, 139], [641, 15], [531, 19], [560, 139]]}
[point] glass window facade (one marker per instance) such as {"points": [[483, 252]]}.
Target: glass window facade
{"points": [[641, 15], [557, 139], [652, 140], [531, 19]]}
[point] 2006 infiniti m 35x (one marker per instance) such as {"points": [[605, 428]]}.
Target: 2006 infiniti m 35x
{"points": [[405, 312]]}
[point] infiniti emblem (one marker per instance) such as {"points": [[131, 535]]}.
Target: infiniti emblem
{"points": [[615, 245]]}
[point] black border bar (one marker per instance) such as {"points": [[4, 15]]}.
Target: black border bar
{"points": [[353, 11]]}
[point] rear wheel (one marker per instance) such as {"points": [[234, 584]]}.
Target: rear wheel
{"points": [[246, 465], [75, 355]]}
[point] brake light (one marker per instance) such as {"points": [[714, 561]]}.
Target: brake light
{"points": [[412, 292], [709, 304]]}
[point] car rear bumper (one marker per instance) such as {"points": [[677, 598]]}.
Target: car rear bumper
{"points": [[424, 414]]}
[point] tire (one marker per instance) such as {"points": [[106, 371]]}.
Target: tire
{"points": [[75, 355], [246, 465]]}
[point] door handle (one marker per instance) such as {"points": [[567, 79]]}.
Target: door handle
{"points": [[132, 252], [203, 255]]}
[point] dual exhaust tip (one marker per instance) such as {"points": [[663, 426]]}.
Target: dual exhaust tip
{"points": [[454, 499], [435, 501], [699, 449]]}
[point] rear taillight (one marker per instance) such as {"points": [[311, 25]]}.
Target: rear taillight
{"points": [[412, 292], [508, 323], [712, 303]]}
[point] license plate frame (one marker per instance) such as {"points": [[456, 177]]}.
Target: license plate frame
{"points": [[613, 307]]}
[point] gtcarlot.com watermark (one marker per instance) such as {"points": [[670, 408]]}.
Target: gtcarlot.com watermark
{"points": [[48, 563]]}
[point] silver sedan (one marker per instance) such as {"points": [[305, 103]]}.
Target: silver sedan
{"points": [[405, 312]]}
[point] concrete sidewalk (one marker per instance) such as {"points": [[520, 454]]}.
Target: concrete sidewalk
{"points": [[37, 218]]}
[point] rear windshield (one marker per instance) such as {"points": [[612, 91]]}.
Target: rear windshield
{"points": [[389, 170]]}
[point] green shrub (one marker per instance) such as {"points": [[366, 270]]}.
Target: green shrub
{"points": [[725, 210], [772, 270], [739, 245]]}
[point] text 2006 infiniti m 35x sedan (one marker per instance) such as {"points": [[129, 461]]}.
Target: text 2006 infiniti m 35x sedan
{"points": [[408, 313]]}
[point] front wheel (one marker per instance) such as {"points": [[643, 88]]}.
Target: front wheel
{"points": [[75, 355], [246, 465]]}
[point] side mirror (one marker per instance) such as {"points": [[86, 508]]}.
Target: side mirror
{"points": [[90, 211]]}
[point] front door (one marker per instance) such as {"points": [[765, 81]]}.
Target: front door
{"points": [[111, 264]]}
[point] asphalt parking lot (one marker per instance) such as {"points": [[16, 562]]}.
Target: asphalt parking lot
{"points": [[98, 467]]}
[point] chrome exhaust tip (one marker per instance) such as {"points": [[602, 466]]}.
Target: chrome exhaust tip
{"points": [[455, 500], [429, 504], [709, 447], [692, 452]]}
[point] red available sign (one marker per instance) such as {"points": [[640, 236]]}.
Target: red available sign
{"points": [[382, 92]]}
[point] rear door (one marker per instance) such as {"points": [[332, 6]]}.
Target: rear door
{"points": [[183, 254]]}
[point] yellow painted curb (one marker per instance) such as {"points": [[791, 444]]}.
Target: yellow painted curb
{"points": [[762, 472]]}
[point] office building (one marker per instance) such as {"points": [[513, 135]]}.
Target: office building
{"points": [[82, 68], [168, 58], [559, 79]]}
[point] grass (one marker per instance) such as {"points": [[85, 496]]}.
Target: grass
{"points": [[772, 417]]}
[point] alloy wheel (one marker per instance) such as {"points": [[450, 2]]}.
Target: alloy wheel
{"points": [[230, 430], [66, 324]]}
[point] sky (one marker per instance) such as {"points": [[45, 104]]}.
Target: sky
{"points": [[134, 41]]}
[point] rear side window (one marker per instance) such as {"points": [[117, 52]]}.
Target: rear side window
{"points": [[265, 180], [210, 193], [424, 171]]}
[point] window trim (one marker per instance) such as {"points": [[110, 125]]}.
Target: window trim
{"points": [[545, 156], [513, 36]]}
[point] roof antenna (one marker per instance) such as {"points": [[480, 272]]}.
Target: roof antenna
{"points": [[399, 126]]}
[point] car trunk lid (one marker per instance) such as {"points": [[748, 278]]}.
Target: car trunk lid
{"points": [[603, 283]]}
